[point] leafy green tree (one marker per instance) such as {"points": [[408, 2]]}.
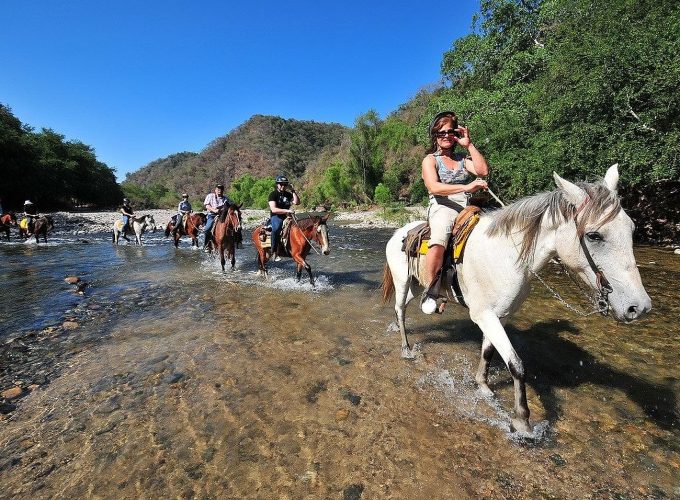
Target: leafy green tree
{"points": [[382, 195]]}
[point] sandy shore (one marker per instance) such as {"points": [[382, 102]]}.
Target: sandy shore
{"points": [[93, 222]]}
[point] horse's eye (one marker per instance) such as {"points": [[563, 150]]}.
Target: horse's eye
{"points": [[594, 236]]}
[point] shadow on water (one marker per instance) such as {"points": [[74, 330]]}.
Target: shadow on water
{"points": [[561, 363]]}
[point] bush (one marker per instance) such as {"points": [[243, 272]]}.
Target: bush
{"points": [[383, 195]]}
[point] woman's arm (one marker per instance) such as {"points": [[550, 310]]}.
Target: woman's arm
{"points": [[434, 186], [477, 163]]}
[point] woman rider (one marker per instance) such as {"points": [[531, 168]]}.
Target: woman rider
{"points": [[280, 202], [447, 175]]}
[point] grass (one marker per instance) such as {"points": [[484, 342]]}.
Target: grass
{"points": [[395, 213]]}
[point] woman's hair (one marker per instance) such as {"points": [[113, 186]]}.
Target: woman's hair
{"points": [[436, 123]]}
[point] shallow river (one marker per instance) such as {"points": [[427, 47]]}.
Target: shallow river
{"points": [[168, 378]]}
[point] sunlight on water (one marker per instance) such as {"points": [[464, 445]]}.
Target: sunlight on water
{"points": [[170, 378]]}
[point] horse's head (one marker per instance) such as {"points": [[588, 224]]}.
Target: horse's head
{"points": [[596, 241], [150, 222], [231, 216], [201, 219], [321, 234]]}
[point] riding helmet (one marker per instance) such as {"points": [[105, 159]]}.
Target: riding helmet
{"points": [[125, 200], [28, 202], [282, 179], [219, 186]]}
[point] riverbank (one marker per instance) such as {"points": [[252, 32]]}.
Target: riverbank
{"points": [[81, 223]]}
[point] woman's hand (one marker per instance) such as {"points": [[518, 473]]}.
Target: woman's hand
{"points": [[476, 185], [464, 139]]}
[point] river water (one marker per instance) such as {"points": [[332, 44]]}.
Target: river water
{"points": [[167, 378]]}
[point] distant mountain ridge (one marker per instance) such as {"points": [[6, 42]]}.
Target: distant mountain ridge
{"points": [[262, 146]]}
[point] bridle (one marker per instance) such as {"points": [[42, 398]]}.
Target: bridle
{"points": [[316, 225], [604, 288]]}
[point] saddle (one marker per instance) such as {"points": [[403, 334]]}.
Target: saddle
{"points": [[417, 239]]}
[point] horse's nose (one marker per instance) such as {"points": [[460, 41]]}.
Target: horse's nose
{"points": [[636, 311], [326, 252]]}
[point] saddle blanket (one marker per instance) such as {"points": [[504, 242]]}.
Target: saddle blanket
{"points": [[418, 238]]}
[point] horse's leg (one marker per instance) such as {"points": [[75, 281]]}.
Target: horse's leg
{"points": [[220, 250], [232, 254], [483, 368], [402, 296], [495, 333]]}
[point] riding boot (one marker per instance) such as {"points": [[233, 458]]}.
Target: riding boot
{"points": [[430, 301]]}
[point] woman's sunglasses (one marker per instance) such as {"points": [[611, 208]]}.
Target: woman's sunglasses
{"points": [[444, 133]]}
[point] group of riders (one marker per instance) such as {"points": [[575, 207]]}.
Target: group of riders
{"points": [[27, 224], [281, 201], [447, 173]]}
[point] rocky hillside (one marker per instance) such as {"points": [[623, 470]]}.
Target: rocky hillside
{"points": [[262, 146]]}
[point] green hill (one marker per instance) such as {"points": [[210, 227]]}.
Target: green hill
{"points": [[262, 146]]}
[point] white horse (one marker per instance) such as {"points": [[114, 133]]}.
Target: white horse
{"points": [[584, 225], [139, 225]]}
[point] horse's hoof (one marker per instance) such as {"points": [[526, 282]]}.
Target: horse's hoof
{"points": [[485, 391], [406, 353], [521, 425]]}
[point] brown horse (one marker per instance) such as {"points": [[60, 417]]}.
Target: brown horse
{"points": [[227, 233], [41, 226], [193, 223], [6, 221], [304, 229]]}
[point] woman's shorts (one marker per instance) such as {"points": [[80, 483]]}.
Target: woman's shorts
{"points": [[440, 218]]}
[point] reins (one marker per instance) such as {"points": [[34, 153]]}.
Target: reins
{"points": [[604, 288], [295, 221]]}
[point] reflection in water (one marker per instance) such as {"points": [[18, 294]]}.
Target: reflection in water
{"points": [[183, 381]]}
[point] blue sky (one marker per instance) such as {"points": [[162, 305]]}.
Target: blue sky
{"points": [[141, 80]]}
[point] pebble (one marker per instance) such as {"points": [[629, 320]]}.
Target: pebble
{"points": [[341, 415], [69, 325], [72, 280], [676, 251], [12, 393]]}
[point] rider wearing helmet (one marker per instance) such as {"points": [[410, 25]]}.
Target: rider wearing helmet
{"points": [[280, 201], [128, 214], [184, 208]]}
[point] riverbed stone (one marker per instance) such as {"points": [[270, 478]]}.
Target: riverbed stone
{"points": [[69, 325], [341, 415], [12, 393], [676, 251], [72, 280]]}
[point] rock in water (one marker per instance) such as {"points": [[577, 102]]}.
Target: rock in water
{"points": [[72, 280]]}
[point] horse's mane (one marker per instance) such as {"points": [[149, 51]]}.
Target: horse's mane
{"points": [[225, 210], [307, 220], [525, 215]]}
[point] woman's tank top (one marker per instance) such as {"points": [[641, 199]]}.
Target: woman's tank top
{"points": [[459, 175]]}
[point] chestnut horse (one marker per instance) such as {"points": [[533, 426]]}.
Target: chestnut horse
{"points": [[6, 221], [41, 226], [227, 233], [193, 223], [304, 229]]}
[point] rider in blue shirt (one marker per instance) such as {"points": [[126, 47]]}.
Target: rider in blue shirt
{"points": [[184, 208]]}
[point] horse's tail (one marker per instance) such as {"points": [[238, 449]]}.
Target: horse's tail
{"points": [[387, 285]]}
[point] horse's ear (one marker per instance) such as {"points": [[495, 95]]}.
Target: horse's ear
{"points": [[574, 194], [240, 205], [325, 217], [611, 178]]}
